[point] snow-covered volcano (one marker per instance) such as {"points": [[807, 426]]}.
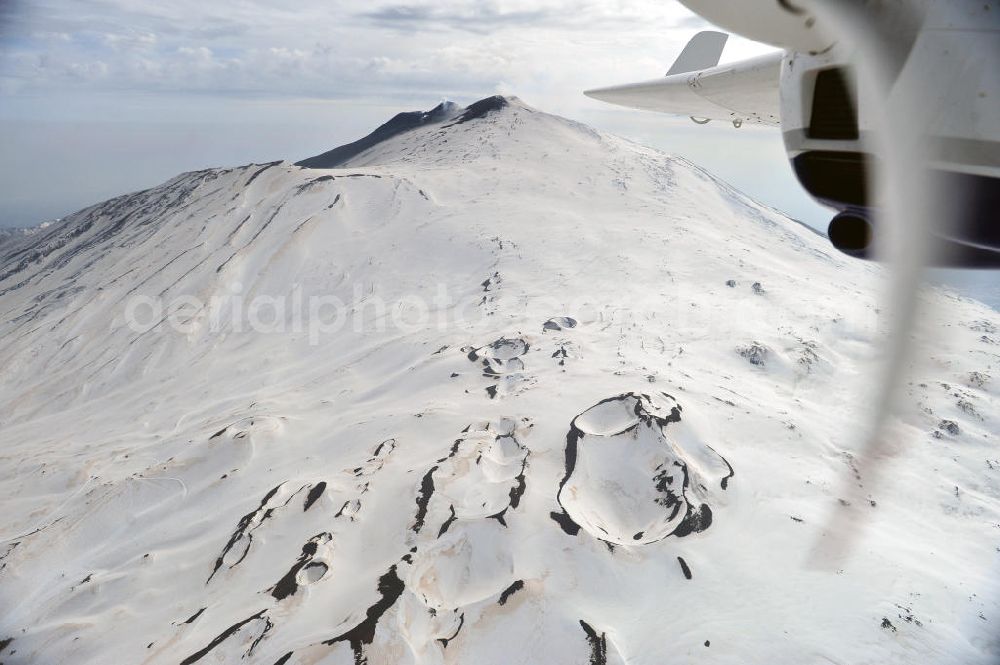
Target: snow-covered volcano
{"points": [[497, 389]]}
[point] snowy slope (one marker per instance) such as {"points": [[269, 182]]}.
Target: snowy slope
{"points": [[11, 236], [547, 429]]}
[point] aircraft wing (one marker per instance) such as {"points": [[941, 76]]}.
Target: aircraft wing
{"points": [[745, 91]]}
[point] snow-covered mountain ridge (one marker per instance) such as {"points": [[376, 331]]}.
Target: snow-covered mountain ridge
{"points": [[579, 402]]}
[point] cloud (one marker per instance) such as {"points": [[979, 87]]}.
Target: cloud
{"points": [[44, 35], [353, 49], [125, 40], [484, 17], [693, 22], [477, 19]]}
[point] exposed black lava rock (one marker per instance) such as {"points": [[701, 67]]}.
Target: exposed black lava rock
{"points": [[621, 442], [400, 123], [304, 571], [950, 426], [315, 492], [194, 616], [492, 282], [481, 109], [447, 523], [257, 173], [684, 568], [510, 591], [598, 644], [565, 523], [559, 323], [755, 352], [978, 379], [308, 185], [227, 633], [242, 537], [562, 354], [906, 614], [423, 498], [390, 588], [968, 407], [446, 640], [501, 356], [495, 461]]}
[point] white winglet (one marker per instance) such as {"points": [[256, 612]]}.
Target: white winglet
{"points": [[703, 51]]}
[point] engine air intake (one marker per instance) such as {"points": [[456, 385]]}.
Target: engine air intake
{"points": [[834, 116]]}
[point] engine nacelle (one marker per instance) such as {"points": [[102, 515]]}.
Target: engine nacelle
{"points": [[828, 129], [851, 232], [787, 24]]}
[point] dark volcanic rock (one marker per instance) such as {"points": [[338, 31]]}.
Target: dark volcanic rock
{"points": [[481, 108], [402, 122], [405, 122], [621, 443], [950, 426], [756, 353]]}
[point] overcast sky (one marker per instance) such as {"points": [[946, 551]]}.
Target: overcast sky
{"points": [[102, 97]]}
